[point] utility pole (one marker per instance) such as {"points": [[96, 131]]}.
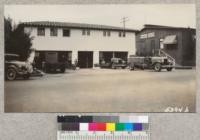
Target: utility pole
{"points": [[124, 20]]}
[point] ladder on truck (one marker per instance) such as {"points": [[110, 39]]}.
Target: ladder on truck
{"points": [[164, 54]]}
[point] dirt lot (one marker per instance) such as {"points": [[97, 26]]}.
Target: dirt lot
{"points": [[103, 90]]}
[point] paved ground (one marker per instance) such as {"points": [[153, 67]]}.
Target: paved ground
{"points": [[103, 90]]}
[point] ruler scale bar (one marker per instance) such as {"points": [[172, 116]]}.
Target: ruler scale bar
{"points": [[95, 136]]}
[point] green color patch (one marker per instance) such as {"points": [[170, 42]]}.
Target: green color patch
{"points": [[119, 127]]}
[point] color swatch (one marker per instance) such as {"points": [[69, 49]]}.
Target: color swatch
{"points": [[103, 123], [103, 128]]}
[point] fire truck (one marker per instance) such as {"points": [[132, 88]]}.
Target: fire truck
{"points": [[157, 63]]}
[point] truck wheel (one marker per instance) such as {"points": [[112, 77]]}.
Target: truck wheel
{"points": [[131, 68], [11, 74], [113, 67], [26, 76], [157, 67], [169, 69], [62, 70]]}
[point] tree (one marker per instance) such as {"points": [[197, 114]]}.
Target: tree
{"points": [[16, 40]]}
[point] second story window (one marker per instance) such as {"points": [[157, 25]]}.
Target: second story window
{"points": [[88, 32], [66, 32], [85, 32], [53, 31], [106, 33], [41, 31], [122, 34]]}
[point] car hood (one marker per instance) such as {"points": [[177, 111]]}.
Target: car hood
{"points": [[22, 63]]}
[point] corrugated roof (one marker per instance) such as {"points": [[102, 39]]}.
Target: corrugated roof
{"points": [[75, 25]]}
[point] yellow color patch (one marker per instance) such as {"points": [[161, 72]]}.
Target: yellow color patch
{"points": [[110, 126]]}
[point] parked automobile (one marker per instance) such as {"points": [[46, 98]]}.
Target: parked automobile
{"points": [[114, 63], [54, 61], [156, 62], [15, 68]]}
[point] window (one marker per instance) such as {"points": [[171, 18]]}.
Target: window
{"points": [[108, 33], [120, 34], [83, 32], [66, 32], [124, 34], [88, 32], [104, 33], [41, 31], [53, 32]]}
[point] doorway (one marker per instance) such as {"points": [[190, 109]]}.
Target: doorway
{"points": [[85, 59]]}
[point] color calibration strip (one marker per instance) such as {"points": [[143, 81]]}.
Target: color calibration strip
{"points": [[103, 128]]}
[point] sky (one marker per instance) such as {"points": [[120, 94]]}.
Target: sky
{"points": [[178, 15]]}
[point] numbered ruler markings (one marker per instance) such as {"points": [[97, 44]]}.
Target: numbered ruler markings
{"points": [[79, 135]]}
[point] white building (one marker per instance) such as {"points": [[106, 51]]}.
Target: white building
{"points": [[87, 43]]}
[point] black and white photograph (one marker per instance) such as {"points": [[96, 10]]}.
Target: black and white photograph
{"points": [[100, 58]]}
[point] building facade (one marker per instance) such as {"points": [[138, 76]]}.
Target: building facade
{"points": [[86, 43], [180, 43]]}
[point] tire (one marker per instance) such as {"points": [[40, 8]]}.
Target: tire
{"points": [[169, 69], [157, 67], [62, 69], [26, 76], [113, 67], [11, 74], [131, 67]]}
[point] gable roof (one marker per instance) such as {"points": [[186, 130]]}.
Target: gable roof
{"points": [[74, 25]]}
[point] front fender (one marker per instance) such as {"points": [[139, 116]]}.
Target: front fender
{"points": [[13, 67]]}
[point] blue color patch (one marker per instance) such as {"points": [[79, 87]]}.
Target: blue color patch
{"points": [[137, 126], [128, 127]]}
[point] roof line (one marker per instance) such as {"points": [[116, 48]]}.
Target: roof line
{"points": [[75, 25], [153, 26]]}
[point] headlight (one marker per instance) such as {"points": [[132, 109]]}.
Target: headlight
{"points": [[23, 67], [20, 66]]}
